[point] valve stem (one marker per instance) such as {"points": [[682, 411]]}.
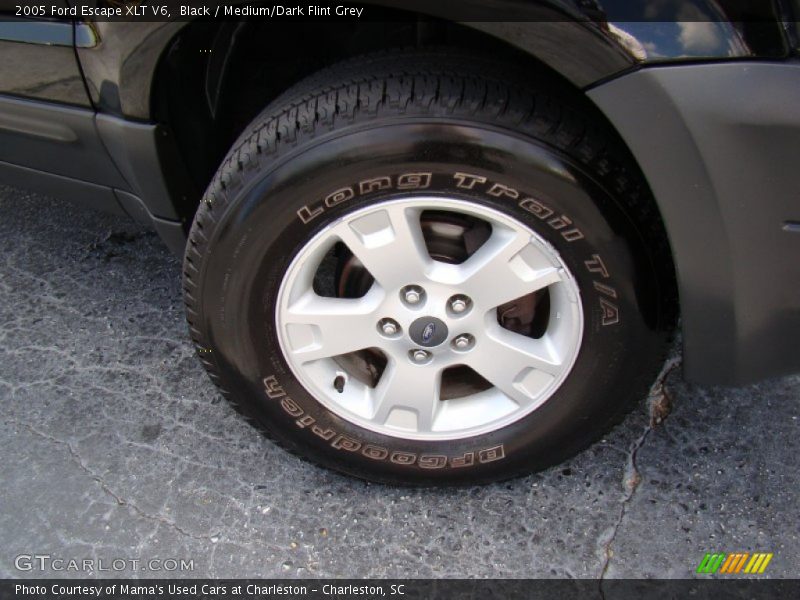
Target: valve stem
{"points": [[339, 382]]}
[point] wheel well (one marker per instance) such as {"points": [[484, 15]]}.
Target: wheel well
{"points": [[214, 78]]}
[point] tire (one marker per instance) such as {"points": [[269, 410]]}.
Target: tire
{"points": [[412, 133]]}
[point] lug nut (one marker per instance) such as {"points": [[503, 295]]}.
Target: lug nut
{"points": [[419, 356], [459, 304], [412, 296], [389, 327], [463, 342]]}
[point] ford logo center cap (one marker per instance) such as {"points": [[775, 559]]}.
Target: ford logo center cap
{"points": [[428, 332]]}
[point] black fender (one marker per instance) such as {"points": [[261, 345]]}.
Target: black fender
{"points": [[718, 146]]}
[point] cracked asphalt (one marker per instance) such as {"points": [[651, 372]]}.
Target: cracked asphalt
{"points": [[115, 444]]}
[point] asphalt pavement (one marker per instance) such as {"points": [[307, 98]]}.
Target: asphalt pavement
{"points": [[114, 445]]}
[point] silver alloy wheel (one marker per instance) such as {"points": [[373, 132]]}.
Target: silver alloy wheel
{"points": [[440, 316]]}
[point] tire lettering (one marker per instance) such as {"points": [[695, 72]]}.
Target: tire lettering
{"points": [[343, 442], [404, 181], [610, 312], [605, 289], [274, 391], [428, 461], [307, 215], [414, 181], [466, 181], [559, 222], [339, 196], [375, 184], [596, 265], [491, 454], [498, 189], [536, 208], [273, 388], [304, 422], [291, 408], [467, 460], [422, 180], [375, 452], [325, 434], [542, 212], [403, 458], [572, 235]]}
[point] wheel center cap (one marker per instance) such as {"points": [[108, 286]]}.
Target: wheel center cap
{"points": [[428, 332]]}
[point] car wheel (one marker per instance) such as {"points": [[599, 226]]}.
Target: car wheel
{"points": [[429, 268]]}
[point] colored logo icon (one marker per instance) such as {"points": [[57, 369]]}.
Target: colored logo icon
{"points": [[738, 563]]}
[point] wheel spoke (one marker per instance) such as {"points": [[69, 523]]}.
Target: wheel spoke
{"points": [[506, 267], [319, 327], [407, 396], [390, 244], [518, 366]]}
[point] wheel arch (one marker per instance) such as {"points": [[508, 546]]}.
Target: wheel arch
{"points": [[222, 95]]}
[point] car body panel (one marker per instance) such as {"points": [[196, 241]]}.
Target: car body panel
{"points": [[45, 48], [55, 138], [718, 145], [99, 161]]}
